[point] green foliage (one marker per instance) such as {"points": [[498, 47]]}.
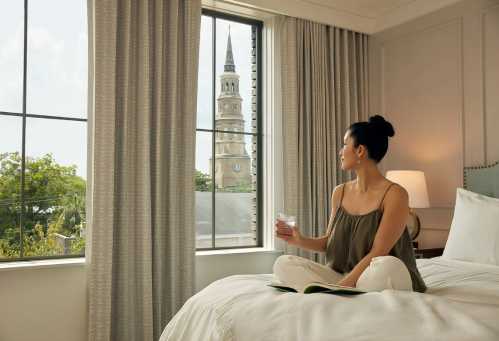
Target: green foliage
{"points": [[8, 251], [241, 187], [203, 182], [42, 243], [54, 198], [78, 245]]}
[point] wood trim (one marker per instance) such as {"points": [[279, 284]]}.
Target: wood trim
{"points": [[429, 253]]}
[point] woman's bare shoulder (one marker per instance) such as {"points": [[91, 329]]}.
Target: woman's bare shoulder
{"points": [[338, 192], [396, 193], [396, 189], [339, 188], [346, 184]]}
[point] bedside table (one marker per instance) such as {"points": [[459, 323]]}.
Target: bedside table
{"points": [[428, 253]]}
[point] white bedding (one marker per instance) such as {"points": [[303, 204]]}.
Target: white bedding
{"points": [[462, 303]]}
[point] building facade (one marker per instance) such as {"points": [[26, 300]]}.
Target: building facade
{"points": [[232, 162]]}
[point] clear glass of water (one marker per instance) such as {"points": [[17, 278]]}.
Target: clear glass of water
{"points": [[288, 219]]}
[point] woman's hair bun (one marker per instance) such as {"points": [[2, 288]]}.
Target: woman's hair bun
{"points": [[381, 125]]}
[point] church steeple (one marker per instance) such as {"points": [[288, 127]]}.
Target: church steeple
{"points": [[232, 162], [229, 58]]}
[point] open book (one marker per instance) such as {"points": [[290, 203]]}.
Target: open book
{"points": [[313, 287]]}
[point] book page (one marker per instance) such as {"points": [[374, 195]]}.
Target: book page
{"points": [[314, 287], [331, 288], [282, 286]]}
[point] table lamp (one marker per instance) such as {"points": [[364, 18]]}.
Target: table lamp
{"points": [[414, 183]]}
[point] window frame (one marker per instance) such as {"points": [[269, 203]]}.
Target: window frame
{"points": [[259, 127], [24, 115]]}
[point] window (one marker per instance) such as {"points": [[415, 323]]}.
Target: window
{"points": [[43, 128], [228, 141]]}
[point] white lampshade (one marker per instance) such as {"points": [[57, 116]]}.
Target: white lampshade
{"points": [[414, 183]]}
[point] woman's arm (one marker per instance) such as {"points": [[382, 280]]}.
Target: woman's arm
{"points": [[391, 227], [319, 244], [313, 244]]}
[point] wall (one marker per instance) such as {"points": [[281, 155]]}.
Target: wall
{"points": [[436, 79], [215, 266], [48, 303]]}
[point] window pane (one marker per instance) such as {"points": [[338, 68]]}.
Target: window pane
{"points": [[205, 75], [10, 185], [233, 75], [54, 221], [203, 190], [57, 58], [11, 55], [235, 199]]}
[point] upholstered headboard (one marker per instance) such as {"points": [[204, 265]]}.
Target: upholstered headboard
{"points": [[483, 179]]}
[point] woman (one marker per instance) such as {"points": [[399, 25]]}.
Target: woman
{"points": [[367, 244]]}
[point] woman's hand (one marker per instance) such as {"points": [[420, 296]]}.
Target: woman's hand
{"points": [[290, 234]]}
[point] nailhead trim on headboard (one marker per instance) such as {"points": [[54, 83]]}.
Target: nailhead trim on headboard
{"points": [[476, 167]]}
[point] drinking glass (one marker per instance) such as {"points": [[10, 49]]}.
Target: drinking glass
{"points": [[288, 219]]}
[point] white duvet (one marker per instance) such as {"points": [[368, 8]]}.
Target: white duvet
{"points": [[462, 303]]}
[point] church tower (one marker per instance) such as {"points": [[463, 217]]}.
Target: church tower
{"points": [[232, 162]]}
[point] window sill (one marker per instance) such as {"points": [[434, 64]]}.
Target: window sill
{"points": [[42, 264], [80, 261], [237, 251]]}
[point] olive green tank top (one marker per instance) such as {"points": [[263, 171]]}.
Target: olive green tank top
{"points": [[352, 238]]}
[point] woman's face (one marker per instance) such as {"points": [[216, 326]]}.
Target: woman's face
{"points": [[348, 153]]}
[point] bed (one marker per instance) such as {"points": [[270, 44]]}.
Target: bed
{"points": [[461, 303]]}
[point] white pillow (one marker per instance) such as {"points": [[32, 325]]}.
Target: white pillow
{"points": [[474, 232]]}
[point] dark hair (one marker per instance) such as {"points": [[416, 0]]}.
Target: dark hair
{"points": [[373, 134]]}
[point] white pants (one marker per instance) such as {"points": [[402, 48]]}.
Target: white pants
{"points": [[385, 272]]}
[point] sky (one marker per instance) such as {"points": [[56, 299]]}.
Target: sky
{"points": [[57, 78]]}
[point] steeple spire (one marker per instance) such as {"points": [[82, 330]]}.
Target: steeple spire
{"points": [[229, 58]]}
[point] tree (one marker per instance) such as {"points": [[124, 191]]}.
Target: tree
{"points": [[54, 202], [203, 182]]}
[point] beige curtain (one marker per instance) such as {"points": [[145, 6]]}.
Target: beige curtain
{"points": [[324, 89], [141, 238]]}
